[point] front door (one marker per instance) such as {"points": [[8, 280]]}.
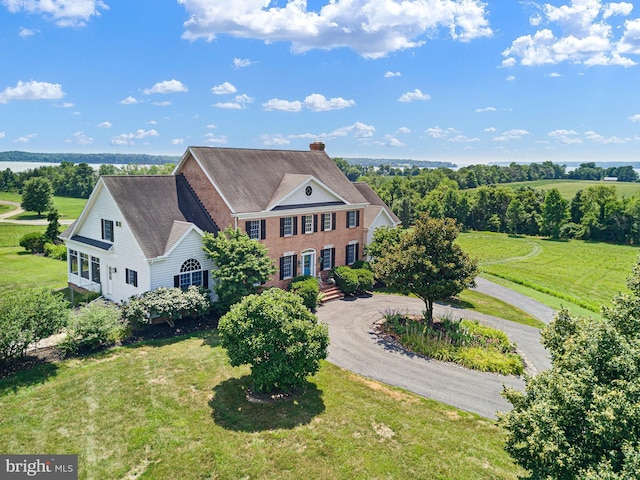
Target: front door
{"points": [[309, 263]]}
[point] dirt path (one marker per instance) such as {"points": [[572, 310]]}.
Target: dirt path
{"points": [[4, 217]]}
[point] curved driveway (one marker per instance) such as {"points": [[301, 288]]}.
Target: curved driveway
{"points": [[355, 347]]}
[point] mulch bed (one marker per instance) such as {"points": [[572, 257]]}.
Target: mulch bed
{"points": [[149, 332]]}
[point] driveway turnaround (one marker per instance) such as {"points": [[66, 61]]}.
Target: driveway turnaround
{"points": [[356, 347]]}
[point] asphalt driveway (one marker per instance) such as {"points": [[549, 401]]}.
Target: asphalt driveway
{"points": [[355, 347]]}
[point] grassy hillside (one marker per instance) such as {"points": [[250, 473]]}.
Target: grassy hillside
{"points": [[69, 208], [176, 409], [575, 273], [568, 188]]}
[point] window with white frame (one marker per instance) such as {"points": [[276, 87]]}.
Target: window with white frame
{"points": [[352, 253], [254, 229], [190, 273], [84, 265], [73, 262], [287, 226], [352, 218], [95, 269], [107, 230], [308, 223], [327, 224], [286, 267], [328, 258]]}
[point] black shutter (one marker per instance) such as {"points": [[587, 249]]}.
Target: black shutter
{"points": [[322, 222], [247, 227], [355, 257], [295, 265], [333, 221], [263, 229], [357, 218], [282, 227], [346, 257], [333, 258], [102, 226], [347, 219], [176, 281], [294, 220], [281, 268], [315, 223], [205, 278]]}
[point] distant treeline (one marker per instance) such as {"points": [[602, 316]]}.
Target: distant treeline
{"points": [[112, 158], [595, 213], [369, 162], [74, 180]]}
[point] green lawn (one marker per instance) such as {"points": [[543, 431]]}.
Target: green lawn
{"points": [[568, 188], [11, 197], [575, 272], [69, 208], [176, 409]]}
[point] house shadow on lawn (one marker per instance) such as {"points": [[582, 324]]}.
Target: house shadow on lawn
{"points": [[233, 411]]}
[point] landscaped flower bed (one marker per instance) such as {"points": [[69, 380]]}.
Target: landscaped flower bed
{"points": [[463, 342]]}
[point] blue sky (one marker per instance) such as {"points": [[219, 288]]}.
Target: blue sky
{"points": [[463, 81]]}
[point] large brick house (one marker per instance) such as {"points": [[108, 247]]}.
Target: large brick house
{"points": [[138, 233]]}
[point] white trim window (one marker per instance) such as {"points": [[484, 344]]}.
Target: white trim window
{"points": [[307, 222], [95, 269], [326, 222], [352, 219], [73, 262], [190, 274], [107, 230], [352, 253], [84, 265], [286, 267], [131, 277], [287, 226], [254, 229]]}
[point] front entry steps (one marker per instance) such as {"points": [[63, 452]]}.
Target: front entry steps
{"points": [[331, 292]]}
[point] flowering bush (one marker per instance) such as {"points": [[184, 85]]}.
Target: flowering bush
{"points": [[169, 303]]}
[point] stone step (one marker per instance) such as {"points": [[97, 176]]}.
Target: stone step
{"points": [[331, 292]]}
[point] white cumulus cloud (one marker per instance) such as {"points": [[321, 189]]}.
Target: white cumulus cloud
{"points": [[26, 32], [66, 13], [177, 141], [241, 62], [513, 134], [485, 109], [598, 138], [282, 105], [581, 32], [566, 137], [26, 138], [390, 74], [166, 86], [372, 28], [223, 89], [635, 118], [413, 96], [32, 90], [437, 132], [105, 125], [129, 101], [215, 139], [238, 104], [319, 103], [80, 138], [274, 140], [128, 138]]}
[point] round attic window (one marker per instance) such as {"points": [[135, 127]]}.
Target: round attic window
{"points": [[308, 191]]}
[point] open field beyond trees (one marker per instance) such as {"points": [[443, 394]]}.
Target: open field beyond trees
{"points": [[568, 188], [577, 273], [176, 409]]}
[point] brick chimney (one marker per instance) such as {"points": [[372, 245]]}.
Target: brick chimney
{"points": [[317, 146]]}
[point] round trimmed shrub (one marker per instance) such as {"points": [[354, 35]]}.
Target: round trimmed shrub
{"points": [[33, 242], [307, 287], [346, 279], [365, 280], [278, 336], [360, 264]]}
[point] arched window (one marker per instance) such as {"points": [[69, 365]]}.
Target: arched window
{"points": [[191, 273]]}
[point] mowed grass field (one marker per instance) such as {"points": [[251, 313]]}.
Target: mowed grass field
{"points": [[568, 188], [175, 409], [573, 273]]}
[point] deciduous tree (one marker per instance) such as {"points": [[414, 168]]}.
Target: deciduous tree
{"points": [[243, 264], [36, 195], [427, 263], [554, 213], [581, 418]]}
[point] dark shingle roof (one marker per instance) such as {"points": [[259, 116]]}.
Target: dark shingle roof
{"points": [[158, 209], [249, 179], [375, 204]]}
